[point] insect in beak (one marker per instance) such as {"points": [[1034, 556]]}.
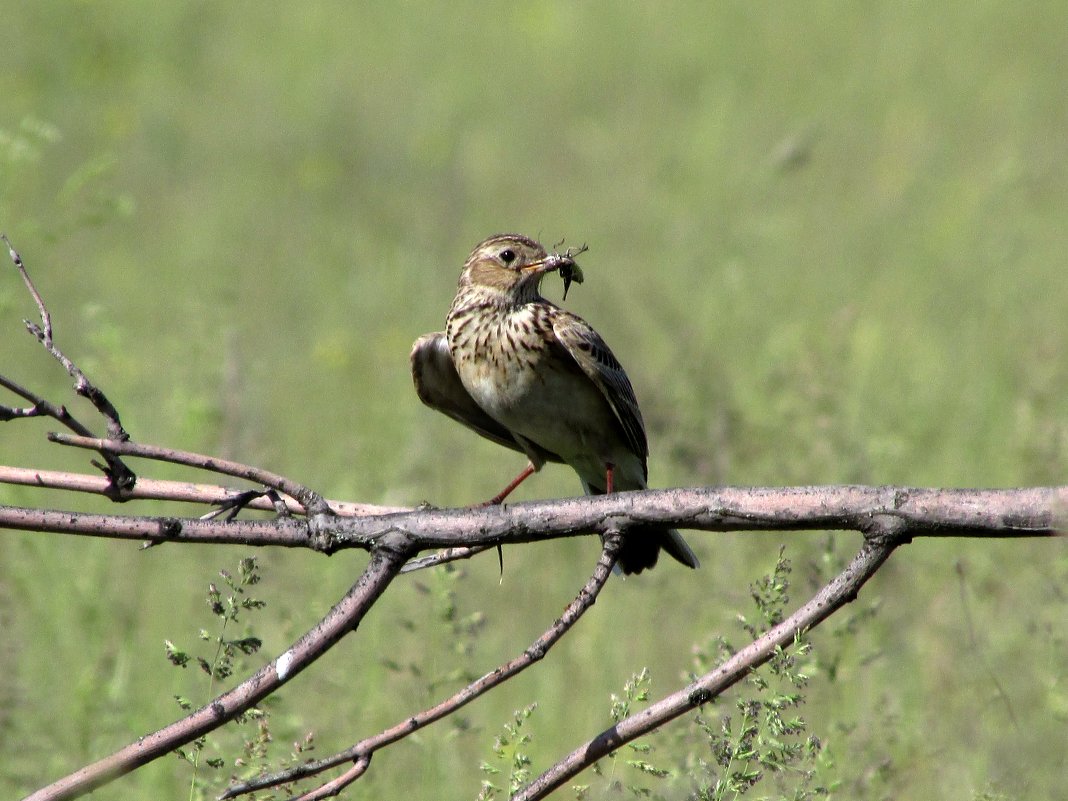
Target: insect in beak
{"points": [[569, 270]]}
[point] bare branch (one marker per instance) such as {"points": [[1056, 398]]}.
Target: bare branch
{"points": [[11, 412], [121, 476], [443, 557], [1031, 512], [888, 517], [46, 318], [385, 563], [361, 753], [308, 498], [842, 589], [285, 532], [183, 491], [41, 408], [334, 787]]}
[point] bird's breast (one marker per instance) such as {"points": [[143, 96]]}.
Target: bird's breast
{"points": [[508, 365], [500, 357]]}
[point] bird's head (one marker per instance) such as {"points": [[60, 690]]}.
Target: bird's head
{"points": [[511, 266]]}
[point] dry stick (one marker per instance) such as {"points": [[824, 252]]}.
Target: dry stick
{"points": [[335, 786], [363, 750], [190, 492], [40, 408], [13, 413], [446, 555], [385, 564], [286, 532], [885, 537], [179, 491], [43, 332], [121, 476], [311, 500]]}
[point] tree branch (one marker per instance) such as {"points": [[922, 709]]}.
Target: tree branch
{"points": [[1031, 512], [311, 500], [842, 589], [888, 517], [179, 491], [386, 561], [360, 754], [121, 476]]}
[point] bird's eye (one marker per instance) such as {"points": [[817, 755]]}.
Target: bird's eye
{"points": [[508, 256]]}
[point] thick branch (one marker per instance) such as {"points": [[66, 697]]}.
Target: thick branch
{"points": [[385, 564], [1033, 512]]}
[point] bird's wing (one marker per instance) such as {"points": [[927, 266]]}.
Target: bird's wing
{"points": [[600, 365], [438, 385]]}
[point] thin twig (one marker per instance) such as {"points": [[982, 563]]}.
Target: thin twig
{"points": [[443, 557], [46, 318], [311, 500], [339, 783], [120, 475], [120, 478], [38, 409], [182, 491], [364, 749]]}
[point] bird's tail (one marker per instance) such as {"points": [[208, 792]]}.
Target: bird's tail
{"points": [[642, 545]]}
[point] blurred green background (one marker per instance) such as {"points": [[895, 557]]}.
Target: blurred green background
{"points": [[826, 240]]}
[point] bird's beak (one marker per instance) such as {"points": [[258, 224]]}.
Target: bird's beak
{"points": [[552, 262]]}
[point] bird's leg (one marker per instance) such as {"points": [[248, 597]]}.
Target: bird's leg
{"points": [[497, 499], [609, 469]]}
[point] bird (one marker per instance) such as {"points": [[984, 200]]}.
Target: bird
{"points": [[531, 376]]}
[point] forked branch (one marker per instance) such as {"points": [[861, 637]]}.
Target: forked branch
{"points": [[842, 589], [360, 753], [120, 476]]}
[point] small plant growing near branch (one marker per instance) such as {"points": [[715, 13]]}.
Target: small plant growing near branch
{"points": [[509, 748], [224, 654], [635, 694], [764, 735]]}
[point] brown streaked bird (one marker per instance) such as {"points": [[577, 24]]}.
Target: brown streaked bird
{"points": [[526, 374]]}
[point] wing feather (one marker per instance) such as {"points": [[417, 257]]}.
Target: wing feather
{"points": [[600, 365]]}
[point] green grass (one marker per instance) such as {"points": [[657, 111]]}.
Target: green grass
{"points": [[827, 241]]}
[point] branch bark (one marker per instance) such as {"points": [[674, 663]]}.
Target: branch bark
{"points": [[122, 478]]}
